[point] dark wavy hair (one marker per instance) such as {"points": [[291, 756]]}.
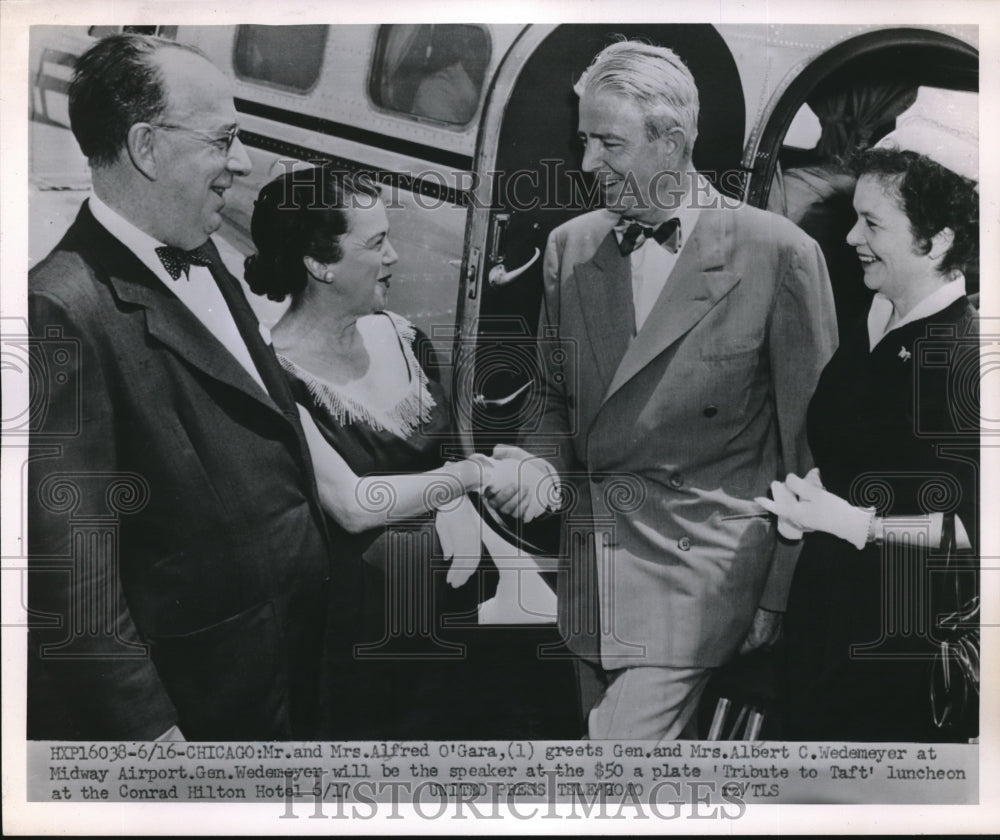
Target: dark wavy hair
{"points": [[116, 84], [932, 197], [302, 213]]}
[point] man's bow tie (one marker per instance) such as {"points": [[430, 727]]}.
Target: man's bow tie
{"points": [[176, 261], [668, 235]]}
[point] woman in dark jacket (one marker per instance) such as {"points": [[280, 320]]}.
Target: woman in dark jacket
{"points": [[894, 430]]}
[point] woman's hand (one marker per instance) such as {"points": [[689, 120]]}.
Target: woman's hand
{"points": [[473, 473], [805, 506], [358, 503], [521, 484], [786, 498]]}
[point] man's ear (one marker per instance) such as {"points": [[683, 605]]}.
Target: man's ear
{"points": [[142, 149], [673, 145]]}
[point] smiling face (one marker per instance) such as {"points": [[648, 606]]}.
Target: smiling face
{"points": [[193, 166], [889, 253], [362, 273], [635, 173]]}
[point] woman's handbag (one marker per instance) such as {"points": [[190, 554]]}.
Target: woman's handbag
{"points": [[954, 680]]}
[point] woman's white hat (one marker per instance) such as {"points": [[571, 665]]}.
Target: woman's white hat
{"points": [[944, 126]]}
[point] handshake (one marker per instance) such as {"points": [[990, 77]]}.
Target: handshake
{"points": [[517, 483], [513, 482]]}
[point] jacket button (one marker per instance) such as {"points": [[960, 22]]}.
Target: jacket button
{"points": [[684, 544], [710, 411], [676, 480]]}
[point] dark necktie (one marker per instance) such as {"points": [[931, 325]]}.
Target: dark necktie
{"points": [[246, 322], [668, 235], [176, 261], [267, 364]]}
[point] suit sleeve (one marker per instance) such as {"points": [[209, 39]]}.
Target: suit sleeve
{"points": [[801, 339], [90, 676]]}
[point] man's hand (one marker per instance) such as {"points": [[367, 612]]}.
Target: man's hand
{"points": [[764, 631], [520, 484]]}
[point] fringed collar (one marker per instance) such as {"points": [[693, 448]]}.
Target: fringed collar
{"points": [[345, 405]]}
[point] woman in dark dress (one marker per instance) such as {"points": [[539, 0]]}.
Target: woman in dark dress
{"points": [[894, 430], [377, 419]]}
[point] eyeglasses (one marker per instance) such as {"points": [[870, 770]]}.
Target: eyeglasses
{"points": [[223, 142]]}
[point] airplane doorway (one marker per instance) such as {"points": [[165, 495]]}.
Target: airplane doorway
{"points": [[854, 92], [533, 158]]}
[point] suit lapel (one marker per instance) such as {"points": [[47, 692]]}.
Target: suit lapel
{"points": [[697, 283], [167, 319], [604, 285]]}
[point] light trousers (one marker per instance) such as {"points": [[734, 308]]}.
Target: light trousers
{"points": [[650, 704]]}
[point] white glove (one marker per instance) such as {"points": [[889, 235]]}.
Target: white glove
{"points": [[521, 484], [812, 508], [458, 528], [786, 498]]}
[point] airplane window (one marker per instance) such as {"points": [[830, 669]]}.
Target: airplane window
{"points": [[432, 71], [804, 131], [161, 31], [285, 56], [103, 31], [811, 186]]}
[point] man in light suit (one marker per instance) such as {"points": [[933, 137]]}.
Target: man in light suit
{"points": [[694, 334], [177, 551]]}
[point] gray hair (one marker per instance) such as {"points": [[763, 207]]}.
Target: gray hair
{"points": [[655, 78]]}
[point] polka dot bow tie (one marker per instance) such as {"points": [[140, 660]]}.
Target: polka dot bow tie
{"points": [[668, 235], [176, 261]]}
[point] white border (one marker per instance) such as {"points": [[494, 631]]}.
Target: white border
{"points": [[67, 818]]}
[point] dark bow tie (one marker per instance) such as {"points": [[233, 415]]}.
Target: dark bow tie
{"points": [[176, 261], [668, 235]]}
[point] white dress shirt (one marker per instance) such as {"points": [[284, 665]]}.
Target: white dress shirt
{"points": [[881, 310], [652, 264], [198, 291]]}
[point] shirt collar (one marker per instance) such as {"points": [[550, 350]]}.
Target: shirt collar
{"points": [[686, 214], [881, 309], [137, 241]]}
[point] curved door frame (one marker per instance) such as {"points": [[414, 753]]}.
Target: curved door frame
{"points": [[762, 156], [477, 227]]}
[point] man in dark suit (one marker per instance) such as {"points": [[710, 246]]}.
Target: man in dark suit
{"points": [[694, 334], [177, 551]]}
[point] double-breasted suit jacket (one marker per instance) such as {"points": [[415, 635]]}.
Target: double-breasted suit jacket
{"points": [[663, 434], [177, 550]]}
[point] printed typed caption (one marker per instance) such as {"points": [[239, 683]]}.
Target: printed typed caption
{"points": [[707, 780]]}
